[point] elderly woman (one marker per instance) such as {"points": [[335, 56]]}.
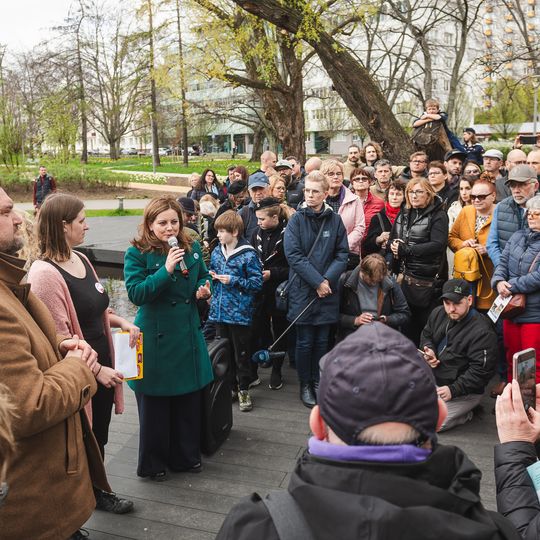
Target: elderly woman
{"points": [[165, 275], [471, 229], [208, 184], [382, 223], [348, 205], [519, 272], [417, 250], [68, 285], [369, 294]]}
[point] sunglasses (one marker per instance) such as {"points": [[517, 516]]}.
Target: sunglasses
{"points": [[360, 178], [480, 196]]}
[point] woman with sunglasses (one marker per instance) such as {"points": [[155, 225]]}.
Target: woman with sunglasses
{"points": [[471, 229]]}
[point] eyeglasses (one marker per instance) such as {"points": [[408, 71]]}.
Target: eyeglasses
{"points": [[418, 161], [533, 214], [360, 179], [480, 196], [417, 192], [331, 174]]}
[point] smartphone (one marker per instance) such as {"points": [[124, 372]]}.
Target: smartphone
{"points": [[527, 139], [524, 371]]}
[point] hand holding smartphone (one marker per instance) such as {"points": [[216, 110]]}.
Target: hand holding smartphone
{"points": [[524, 372]]}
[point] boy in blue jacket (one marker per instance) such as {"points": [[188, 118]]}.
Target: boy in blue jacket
{"points": [[238, 277]]}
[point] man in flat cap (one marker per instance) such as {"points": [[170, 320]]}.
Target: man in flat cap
{"points": [[373, 468]]}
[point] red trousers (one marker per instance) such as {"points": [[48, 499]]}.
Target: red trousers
{"points": [[519, 336]]}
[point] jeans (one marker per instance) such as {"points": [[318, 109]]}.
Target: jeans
{"points": [[311, 346]]}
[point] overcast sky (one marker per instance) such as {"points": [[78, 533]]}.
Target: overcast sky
{"points": [[25, 22]]}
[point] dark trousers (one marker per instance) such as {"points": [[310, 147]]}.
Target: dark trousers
{"points": [[419, 316], [240, 338], [170, 432], [311, 346], [102, 404]]}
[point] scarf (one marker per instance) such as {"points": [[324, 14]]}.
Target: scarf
{"points": [[391, 212]]}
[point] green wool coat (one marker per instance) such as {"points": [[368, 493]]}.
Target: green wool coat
{"points": [[176, 359]]}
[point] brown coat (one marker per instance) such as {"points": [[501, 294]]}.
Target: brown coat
{"points": [[50, 485], [463, 229]]}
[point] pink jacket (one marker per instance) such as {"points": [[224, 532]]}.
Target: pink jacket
{"points": [[48, 284], [352, 215]]}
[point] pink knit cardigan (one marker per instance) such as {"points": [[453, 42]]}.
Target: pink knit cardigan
{"points": [[50, 287]]}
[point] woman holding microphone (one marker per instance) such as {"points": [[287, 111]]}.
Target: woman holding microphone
{"points": [[165, 274]]}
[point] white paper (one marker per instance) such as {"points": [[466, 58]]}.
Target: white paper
{"points": [[534, 473], [125, 357], [497, 308]]}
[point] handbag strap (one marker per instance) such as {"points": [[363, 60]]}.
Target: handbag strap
{"points": [[534, 261], [289, 283]]}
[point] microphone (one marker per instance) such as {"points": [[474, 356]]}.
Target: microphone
{"points": [[265, 356], [173, 242]]}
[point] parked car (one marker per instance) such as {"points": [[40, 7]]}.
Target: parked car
{"points": [[128, 151]]}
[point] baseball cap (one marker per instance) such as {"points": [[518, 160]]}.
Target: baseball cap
{"points": [[455, 154], [469, 130], [187, 204], [497, 154], [236, 187], [283, 164], [456, 289], [521, 173], [258, 179], [376, 375]]}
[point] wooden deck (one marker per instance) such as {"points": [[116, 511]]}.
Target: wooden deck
{"points": [[258, 456]]}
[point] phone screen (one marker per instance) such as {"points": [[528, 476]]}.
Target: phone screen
{"points": [[524, 371], [527, 139]]}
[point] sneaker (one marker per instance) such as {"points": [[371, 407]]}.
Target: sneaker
{"points": [[110, 502], [276, 381], [244, 400], [254, 382], [81, 534]]}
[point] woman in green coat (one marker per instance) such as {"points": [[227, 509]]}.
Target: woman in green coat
{"points": [[165, 282]]}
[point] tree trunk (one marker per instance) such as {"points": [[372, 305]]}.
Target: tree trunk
{"points": [[181, 66], [350, 79], [257, 150], [153, 91]]}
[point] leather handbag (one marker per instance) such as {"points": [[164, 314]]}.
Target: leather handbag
{"points": [[282, 290], [518, 302]]}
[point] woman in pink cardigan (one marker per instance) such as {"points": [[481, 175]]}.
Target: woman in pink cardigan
{"points": [[67, 284], [348, 205]]}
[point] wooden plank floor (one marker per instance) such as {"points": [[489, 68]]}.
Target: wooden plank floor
{"points": [[258, 456]]}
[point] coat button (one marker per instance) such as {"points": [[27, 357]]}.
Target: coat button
{"points": [[173, 303], [187, 300], [160, 335]]}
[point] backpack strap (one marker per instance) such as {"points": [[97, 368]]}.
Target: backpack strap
{"points": [[288, 519]]}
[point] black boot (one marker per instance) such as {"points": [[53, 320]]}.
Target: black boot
{"points": [[276, 380], [306, 395], [315, 388]]}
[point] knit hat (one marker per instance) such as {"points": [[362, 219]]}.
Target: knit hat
{"points": [[377, 375]]}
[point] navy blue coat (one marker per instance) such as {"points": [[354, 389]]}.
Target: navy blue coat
{"points": [[328, 261], [515, 267]]}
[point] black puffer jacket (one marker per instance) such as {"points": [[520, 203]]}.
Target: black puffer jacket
{"points": [[436, 498], [393, 303], [516, 498], [468, 349], [424, 232]]}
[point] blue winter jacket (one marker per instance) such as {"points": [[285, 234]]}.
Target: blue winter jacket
{"points": [[515, 267], [328, 261], [234, 303]]}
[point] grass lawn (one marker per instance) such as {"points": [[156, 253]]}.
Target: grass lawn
{"points": [[113, 213]]}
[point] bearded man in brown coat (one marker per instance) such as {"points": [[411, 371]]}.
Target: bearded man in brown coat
{"points": [[49, 378]]}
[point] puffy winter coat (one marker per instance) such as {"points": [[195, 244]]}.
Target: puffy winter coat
{"points": [[425, 233], [467, 350], [234, 303], [328, 261], [352, 214], [515, 267]]}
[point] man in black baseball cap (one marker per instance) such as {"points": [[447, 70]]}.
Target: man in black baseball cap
{"points": [[373, 467], [460, 345]]}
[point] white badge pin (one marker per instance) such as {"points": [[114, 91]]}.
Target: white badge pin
{"points": [[195, 256], [100, 288]]}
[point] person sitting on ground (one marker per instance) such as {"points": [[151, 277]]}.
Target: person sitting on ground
{"points": [[459, 343], [381, 224], [433, 112], [238, 277], [369, 294], [519, 435], [373, 467]]}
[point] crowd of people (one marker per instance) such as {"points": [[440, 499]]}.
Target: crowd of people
{"points": [[372, 279]]}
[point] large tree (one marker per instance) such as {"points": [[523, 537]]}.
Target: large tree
{"points": [[350, 79]]}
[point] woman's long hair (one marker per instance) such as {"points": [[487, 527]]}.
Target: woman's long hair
{"points": [[201, 184], [56, 210], [147, 240]]}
